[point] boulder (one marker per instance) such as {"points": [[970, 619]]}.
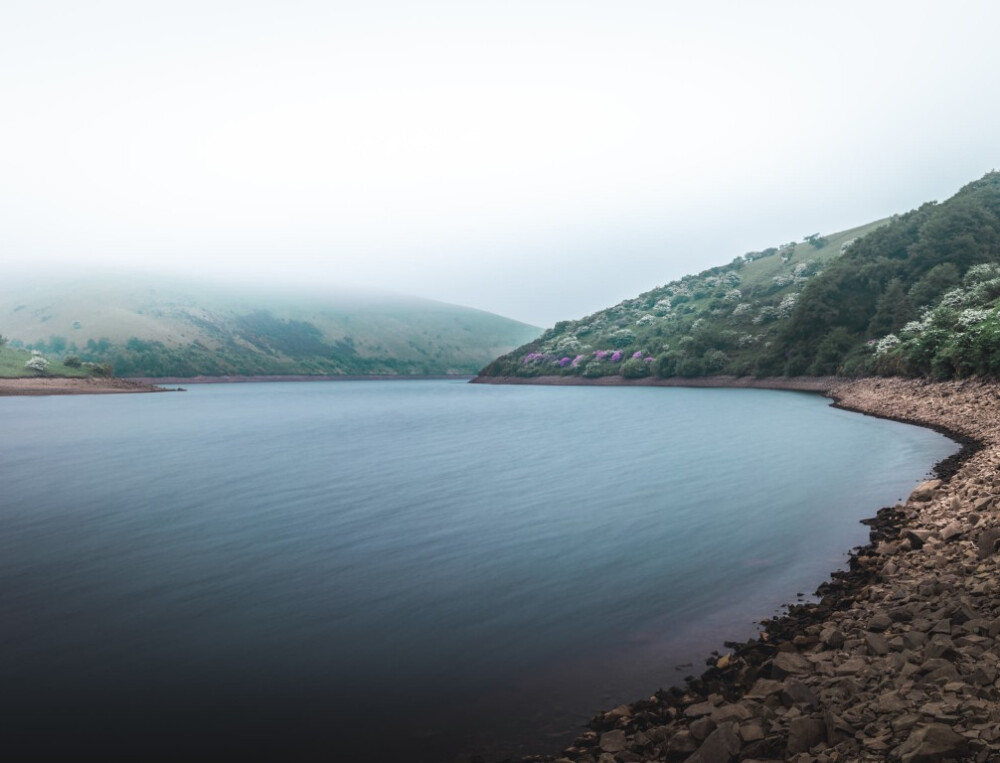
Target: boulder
{"points": [[988, 542], [925, 490], [613, 741], [804, 733], [952, 531], [789, 663], [932, 743], [721, 746]]}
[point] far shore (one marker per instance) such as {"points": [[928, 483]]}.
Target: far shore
{"points": [[799, 383], [234, 379], [47, 385]]}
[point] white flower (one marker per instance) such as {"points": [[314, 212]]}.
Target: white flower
{"points": [[953, 298], [886, 343], [787, 305], [972, 316]]}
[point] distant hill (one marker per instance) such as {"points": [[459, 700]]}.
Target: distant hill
{"points": [[917, 295], [146, 326]]}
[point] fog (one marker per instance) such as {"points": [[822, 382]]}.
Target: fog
{"points": [[541, 160]]}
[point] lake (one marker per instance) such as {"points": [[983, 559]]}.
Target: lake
{"points": [[427, 569]]}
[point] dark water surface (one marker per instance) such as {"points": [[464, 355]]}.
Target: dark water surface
{"points": [[420, 569]]}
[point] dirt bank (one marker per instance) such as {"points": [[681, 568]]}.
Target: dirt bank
{"points": [[88, 386]]}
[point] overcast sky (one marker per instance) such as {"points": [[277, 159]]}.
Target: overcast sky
{"points": [[541, 160]]}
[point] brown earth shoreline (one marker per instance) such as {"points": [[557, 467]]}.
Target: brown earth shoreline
{"points": [[41, 385], [899, 658]]}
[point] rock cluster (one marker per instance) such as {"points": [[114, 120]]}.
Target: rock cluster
{"points": [[899, 660]]}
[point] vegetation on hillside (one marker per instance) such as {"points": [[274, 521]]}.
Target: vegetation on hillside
{"points": [[148, 328], [24, 363], [916, 295]]}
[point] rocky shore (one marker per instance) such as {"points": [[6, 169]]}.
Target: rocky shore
{"points": [[899, 658], [72, 386]]}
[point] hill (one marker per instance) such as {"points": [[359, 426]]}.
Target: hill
{"points": [[145, 326], [915, 295]]}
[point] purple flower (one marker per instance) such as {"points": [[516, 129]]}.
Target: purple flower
{"points": [[617, 356], [576, 360], [564, 362], [601, 354], [649, 359], [637, 354]]}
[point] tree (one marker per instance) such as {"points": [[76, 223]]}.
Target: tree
{"points": [[892, 312]]}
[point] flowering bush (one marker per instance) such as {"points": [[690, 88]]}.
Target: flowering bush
{"points": [[37, 363], [954, 298], [886, 343], [616, 356], [787, 305], [972, 316]]}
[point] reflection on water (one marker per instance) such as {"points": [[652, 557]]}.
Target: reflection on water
{"points": [[432, 568]]}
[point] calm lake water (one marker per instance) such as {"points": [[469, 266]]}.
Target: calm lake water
{"points": [[424, 568]]}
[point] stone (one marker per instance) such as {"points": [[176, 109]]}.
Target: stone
{"points": [[849, 667], [795, 692], [701, 728], [878, 646], [681, 744], [721, 746], [914, 639], [932, 743], [804, 733], [925, 490], [832, 636], [988, 542], [879, 622], [952, 531], [764, 688], [751, 732], [789, 663], [698, 710], [613, 741], [730, 712]]}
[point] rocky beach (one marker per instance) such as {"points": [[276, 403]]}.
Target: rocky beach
{"points": [[896, 661]]}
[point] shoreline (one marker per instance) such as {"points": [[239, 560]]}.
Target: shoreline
{"points": [[232, 379], [24, 386], [821, 384], [897, 660]]}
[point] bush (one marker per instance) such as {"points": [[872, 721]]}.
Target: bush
{"points": [[72, 361], [38, 364], [635, 368]]}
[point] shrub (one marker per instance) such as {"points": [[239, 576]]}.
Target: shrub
{"points": [[72, 361], [635, 368], [38, 364]]}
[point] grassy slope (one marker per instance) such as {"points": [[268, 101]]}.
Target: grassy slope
{"points": [[12, 366], [147, 326]]}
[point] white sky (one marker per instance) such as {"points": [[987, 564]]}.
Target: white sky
{"points": [[541, 160]]}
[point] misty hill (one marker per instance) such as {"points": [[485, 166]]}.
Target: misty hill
{"points": [[918, 294], [147, 326]]}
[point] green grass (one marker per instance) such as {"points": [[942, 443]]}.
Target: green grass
{"points": [[12, 366]]}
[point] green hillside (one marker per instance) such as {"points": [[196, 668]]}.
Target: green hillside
{"points": [[145, 326], [916, 294]]}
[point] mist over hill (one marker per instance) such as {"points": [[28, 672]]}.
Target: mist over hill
{"points": [[914, 295], [152, 326]]}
